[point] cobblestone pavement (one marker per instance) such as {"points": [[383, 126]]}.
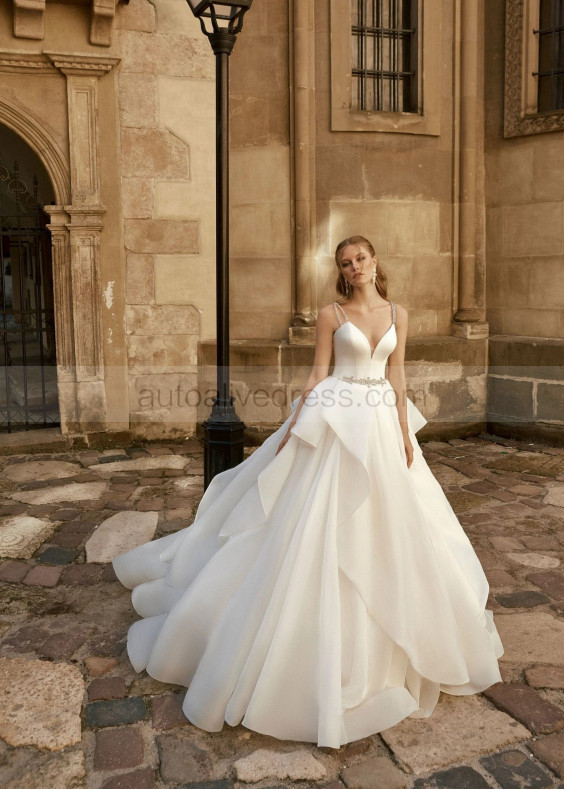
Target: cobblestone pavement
{"points": [[74, 713]]}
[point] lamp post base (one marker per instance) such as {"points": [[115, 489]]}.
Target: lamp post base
{"points": [[224, 440]]}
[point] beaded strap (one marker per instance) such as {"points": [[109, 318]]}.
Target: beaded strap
{"points": [[335, 305], [393, 313]]}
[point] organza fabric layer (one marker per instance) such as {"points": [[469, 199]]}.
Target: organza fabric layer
{"points": [[325, 593]]}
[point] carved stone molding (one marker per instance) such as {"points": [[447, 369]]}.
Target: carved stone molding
{"points": [[20, 121], [521, 56], [76, 63], [28, 19], [102, 21], [13, 61], [84, 229]]}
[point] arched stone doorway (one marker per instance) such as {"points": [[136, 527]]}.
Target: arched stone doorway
{"points": [[28, 372]]}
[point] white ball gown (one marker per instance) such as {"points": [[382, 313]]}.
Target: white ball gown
{"points": [[325, 593]]}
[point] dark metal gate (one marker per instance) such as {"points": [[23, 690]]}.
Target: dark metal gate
{"points": [[28, 373]]}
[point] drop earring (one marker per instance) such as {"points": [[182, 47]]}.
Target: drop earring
{"points": [[347, 288], [374, 276]]}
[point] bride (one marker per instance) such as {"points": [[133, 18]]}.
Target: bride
{"points": [[326, 589]]}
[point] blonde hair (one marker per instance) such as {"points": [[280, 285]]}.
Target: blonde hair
{"points": [[381, 278]]}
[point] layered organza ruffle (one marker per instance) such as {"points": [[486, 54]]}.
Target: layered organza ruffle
{"points": [[322, 594]]}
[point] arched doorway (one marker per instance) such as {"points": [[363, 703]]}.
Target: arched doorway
{"points": [[28, 371]]}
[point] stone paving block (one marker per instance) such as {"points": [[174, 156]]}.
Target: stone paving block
{"points": [[41, 703], [530, 637], [44, 575], [541, 542], [14, 509], [85, 573], [26, 639], [181, 760], [512, 768], [527, 706], [545, 676], [555, 496], [13, 571], [524, 598], [66, 514], [64, 644], [550, 751], [502, 543], [377, 771], [106, 688], [226, 783], [36, 471], [33, 768], [21, 536], [119, 533], [156, 451], [141, 778], [118, 747], [75, 492], [67, 540], [57, 555], [552, 583], [167, 711], [108, 713], [141, 464], [268, 764], [108, 574], [499, 578], [533, 560], [99, 665], [462, 776], [474, 727], [148, 505]]}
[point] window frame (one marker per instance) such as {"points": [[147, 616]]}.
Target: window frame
{"points": [[521, 115], [427, 120]]}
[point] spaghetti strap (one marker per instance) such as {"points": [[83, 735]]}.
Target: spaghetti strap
{"points": [[393, 313], [335, 304]]}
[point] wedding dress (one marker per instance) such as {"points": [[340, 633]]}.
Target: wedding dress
{"points": [[325, 593]]}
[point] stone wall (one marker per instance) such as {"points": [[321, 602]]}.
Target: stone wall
{"points": [[261, 228], [167, 111], [393, 188], [525, 263], [525, 212]]}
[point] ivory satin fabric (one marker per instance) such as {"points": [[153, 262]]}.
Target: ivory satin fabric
{"points": [[325, 593]]}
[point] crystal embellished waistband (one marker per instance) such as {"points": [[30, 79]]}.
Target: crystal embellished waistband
{"points": [[368, 382]]}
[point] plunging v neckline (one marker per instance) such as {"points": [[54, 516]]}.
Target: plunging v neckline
{"points": [[348, 321]]}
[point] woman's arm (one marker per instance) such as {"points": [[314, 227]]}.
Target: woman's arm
{"points": [[324, 330], [396, 377]]}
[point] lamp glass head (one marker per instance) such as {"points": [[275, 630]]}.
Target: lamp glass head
{"points": [[216, 15]]}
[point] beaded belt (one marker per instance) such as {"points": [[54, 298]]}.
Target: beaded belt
{"points": [[369, 382]]}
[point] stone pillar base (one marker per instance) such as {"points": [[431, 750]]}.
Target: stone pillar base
{"points": [[301, 335], [470, 330]]}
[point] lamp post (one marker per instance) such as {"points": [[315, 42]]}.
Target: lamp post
{"points": [[221, 21]]}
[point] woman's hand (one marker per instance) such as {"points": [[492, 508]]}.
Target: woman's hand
{"points": [[284, 440], [408, 450]]}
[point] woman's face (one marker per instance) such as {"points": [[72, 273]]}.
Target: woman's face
{"points": [[356, 264]]}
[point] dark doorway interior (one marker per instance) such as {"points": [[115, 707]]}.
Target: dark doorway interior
{"points": [[28, 373]]}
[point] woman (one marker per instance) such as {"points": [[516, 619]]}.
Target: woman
{"points": [[326, 589]]}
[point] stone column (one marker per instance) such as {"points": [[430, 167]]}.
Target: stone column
{"points": [[303, 321], [469, 198], [64, 328], [78, 288]]}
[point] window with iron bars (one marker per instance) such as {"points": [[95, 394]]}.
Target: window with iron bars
{"points": [[384, 55], [550, 72]]}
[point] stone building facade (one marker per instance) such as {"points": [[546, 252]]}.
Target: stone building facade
{"points": [[461, 192]]}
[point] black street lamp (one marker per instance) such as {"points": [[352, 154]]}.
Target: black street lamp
{"points": [[223, 430]]}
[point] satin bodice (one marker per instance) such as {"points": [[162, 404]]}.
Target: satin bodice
{"points": [[353, 356]]}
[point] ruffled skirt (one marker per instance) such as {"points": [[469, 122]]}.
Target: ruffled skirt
{"points": [[322, 594]]}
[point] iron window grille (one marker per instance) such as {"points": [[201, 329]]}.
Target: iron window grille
{"points": [[384, 56], [550, 72]]}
